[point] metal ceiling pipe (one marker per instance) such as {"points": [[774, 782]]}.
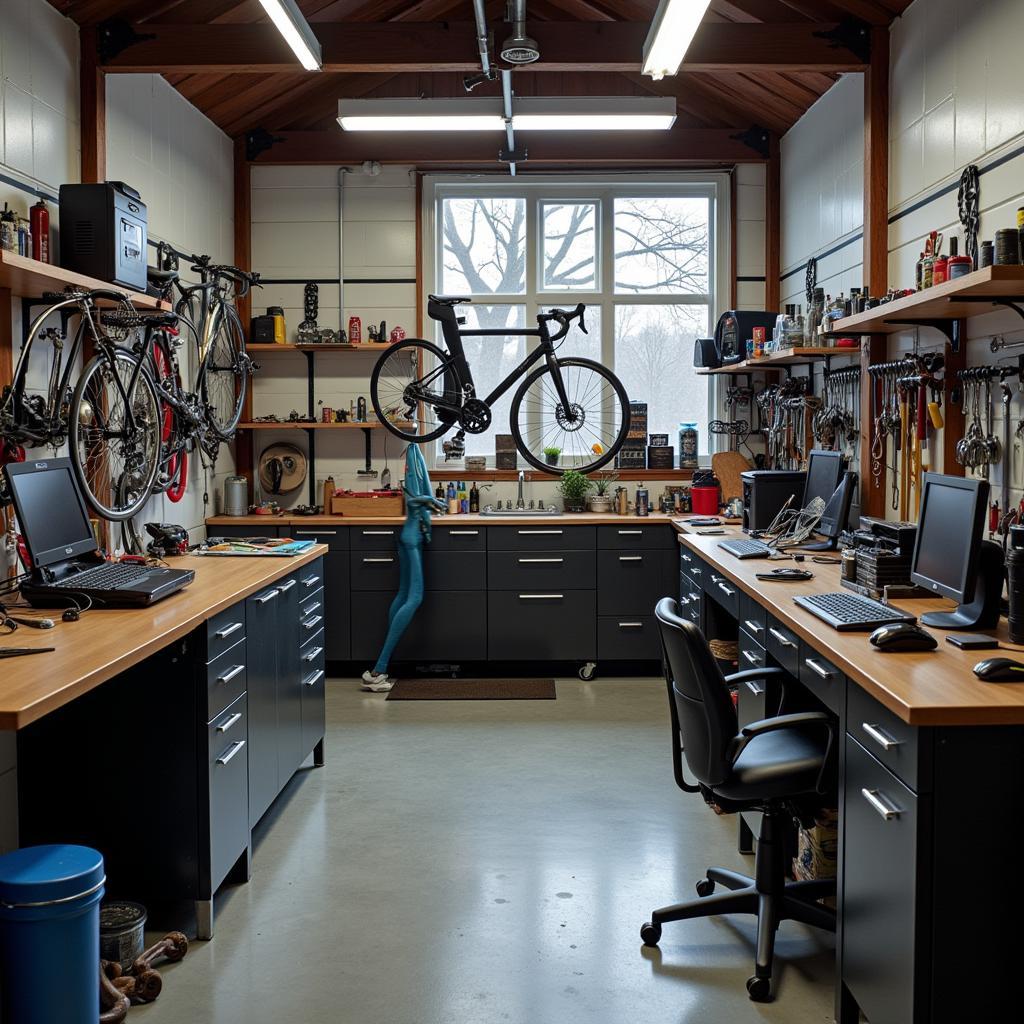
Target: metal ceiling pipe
{"points": [[481, 36], [519, 48], [506, 95]]}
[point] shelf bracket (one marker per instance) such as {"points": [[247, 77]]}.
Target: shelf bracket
{"points": [[1007, 301], [756, 138], [114, 36], [949, 326], [850, 34], [259, 140]]}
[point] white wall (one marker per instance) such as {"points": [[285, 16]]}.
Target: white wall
{"points": [[750, 236]]}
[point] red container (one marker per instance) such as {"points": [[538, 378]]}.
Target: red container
{"points": [[39, 217], [355, 330], [705, 500]]}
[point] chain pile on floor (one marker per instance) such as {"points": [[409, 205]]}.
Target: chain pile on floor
{"points": [[120, 991]]}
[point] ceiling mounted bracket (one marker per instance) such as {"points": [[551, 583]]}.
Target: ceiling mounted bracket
{"points": [[114, 36], [850, 34], [512, 156], [756, 138], [259, 140]]}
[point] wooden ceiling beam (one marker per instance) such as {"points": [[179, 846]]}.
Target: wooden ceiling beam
{"points": [[406, 46], [677, 147], [754, 10]]}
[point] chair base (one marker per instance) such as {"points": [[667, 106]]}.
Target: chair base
{"points": [[769, 897]]}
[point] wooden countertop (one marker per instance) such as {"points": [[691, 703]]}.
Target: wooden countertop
{"points": [[566, 519], [924, 688], [105, 642]]}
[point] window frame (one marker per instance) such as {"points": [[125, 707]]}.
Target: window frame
{"points": [[602, 190]]}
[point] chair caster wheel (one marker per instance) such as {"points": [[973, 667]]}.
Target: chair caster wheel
{"points": [[650, 934], [759, 989], [587, 671], [705, 887]]}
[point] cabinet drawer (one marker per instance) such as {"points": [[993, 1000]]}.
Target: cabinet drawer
{"points": [[374, 570], [693, 566], [374, 538], [335, 537], [314, 695], [310, 625], [229, 789], [224, 630], [454, 570], [450, 625], [879, 903], [225, 679], [313, 603], [310, 577], [541, 537], [515, 570], [752, 654], [889, 738], [628, 638], [723, 592], [824, 680], [631, 582], [457, 538], [542, 624], [753, 618], [631, 537], [313, 650], [752, 695], [690, 598], [784, 646]]}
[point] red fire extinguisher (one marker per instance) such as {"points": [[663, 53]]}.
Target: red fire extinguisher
{"points": [[355, 330], [39, 217]]}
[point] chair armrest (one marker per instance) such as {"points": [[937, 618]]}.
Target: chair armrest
{"points": [[793, 721], [735, 678]]}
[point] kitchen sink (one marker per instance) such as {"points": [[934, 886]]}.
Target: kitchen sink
{"points": [[522, 513]]}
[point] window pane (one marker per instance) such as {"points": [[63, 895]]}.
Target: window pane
{"points": [[576, 343], [570, 246], [491, 360], [654, 360], [483, 246], [661, 246]]}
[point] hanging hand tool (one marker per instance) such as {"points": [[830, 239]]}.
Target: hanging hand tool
{"points": [[901, 455], [1005, 482]]}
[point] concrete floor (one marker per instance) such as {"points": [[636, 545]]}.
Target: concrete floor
{"points": [[484, 863]]}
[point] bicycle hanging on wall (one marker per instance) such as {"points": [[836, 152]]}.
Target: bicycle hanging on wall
{"points": [[420, 392]]}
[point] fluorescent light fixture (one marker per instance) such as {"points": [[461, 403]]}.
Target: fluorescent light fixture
{"points": [[529, 113], [460, 114], [593, 113], [673, 27], [292, 24]]}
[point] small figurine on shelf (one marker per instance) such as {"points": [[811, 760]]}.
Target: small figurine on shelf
{"points": [[397, 335], [371, 334]]}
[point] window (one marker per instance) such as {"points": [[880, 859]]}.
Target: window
{"points": [[639, 252]]}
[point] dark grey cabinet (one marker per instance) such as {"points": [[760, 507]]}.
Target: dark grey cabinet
{"points": [[449, 625], [228, 775], [289, 681], [542, 625], [261, 611]]}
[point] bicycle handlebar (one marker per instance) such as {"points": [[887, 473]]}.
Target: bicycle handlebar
{"points": [[246, 280], [565, 317]]}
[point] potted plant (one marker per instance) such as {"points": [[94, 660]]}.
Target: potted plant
{"points": [[601, 500], [574, 487], [551, 456]]}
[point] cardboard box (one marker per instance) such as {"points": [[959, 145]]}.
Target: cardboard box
{"points": [[368, 503]]}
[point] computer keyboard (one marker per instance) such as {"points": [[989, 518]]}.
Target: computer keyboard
{"points": [[850, 612], [107, 577], [746, 548]]}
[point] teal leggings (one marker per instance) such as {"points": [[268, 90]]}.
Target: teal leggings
{"points": [[407, 600]]}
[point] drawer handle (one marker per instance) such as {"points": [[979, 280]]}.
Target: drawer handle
{"points": [[232, 750], [230, 674], [311, 608], [226, 631], [631, 533], [378, 533], [685, 558], [314, 678], [317, 533], [529, 561], [268, 597], [880, 736], [229, 722], [631, 625], [817, 668], [285, 587], [310, 581], [781, 637], [695, 597], [463, 533], [631, 558], [752, 658], [885, 810], [311, 623], [378, 559], [539, 533], [754, 627], [541, 597], [696, 572], [312, 656], [728, 590], [752, 686]]}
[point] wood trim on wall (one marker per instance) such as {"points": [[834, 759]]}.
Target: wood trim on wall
{"points": [[773, 228], [244, 442], [876, 165], [93, 108], [733, 234]]}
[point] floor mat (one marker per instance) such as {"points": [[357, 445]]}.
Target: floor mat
{"points": [[473, 689]]}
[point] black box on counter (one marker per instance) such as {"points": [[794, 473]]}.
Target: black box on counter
{"points": [[660, 456], [504, 451], [657, 440]]}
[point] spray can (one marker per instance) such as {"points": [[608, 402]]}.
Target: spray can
{"points": [[643, 501], [39, 216], [355, 330]]}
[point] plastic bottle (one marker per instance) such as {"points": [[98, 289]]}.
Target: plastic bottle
{"points": [[453, 501], [474, 498]]}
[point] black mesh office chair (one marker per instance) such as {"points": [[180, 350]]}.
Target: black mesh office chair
{"points": [[778, 765]]}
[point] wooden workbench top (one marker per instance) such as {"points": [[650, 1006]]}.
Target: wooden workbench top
{"points": [[565, 519], [924, 688], [104, 643]]}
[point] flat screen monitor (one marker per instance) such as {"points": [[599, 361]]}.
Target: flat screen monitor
{"points": [[949, 532], [824, 471], [51, 510]]}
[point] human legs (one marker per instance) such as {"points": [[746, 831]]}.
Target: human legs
{"points": [[407, 600]]}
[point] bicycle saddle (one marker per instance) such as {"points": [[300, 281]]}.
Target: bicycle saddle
{"points": [[139, 318], [161, 276], [448, 300]]}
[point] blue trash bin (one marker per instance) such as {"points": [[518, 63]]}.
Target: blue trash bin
{"points": [[50, 935]]}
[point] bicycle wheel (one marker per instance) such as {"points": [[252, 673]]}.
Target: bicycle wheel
{"points": [[172, 476], [403, 384], [225, 376], [589, 433], [115, 462]]}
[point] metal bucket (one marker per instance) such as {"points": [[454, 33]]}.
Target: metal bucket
{"points": [[122, 931]]}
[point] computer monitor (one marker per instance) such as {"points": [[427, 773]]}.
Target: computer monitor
{"points": [[824, 470], [826, 480], [51, 511], [950, 557]]}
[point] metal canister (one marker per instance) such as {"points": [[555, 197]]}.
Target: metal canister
{"points": [[849, 565], [236, 496], [643, 501], [355, 330], [327, 415]]}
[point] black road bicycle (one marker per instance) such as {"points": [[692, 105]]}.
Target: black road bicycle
{"points": [[420, 392]]}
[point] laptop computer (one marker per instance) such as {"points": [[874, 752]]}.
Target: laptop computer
{"points": [[65, 562]]}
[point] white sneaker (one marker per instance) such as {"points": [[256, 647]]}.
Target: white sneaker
{"points": [[376, 682]]}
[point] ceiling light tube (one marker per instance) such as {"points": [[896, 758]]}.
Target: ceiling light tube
{"points": [[460, 114], [593, 113], [673, 27], [292, 24]]}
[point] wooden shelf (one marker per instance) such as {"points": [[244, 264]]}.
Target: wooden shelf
{"points": [[784, 357], [290, 425], [941, 302], [370, 346], [654, 475], [31, 279]]}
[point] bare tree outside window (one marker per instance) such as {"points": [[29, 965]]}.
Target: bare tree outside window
{"points": [[661, 246]]}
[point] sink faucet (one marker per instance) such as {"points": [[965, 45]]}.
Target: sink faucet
{"points": [[519, 500]]}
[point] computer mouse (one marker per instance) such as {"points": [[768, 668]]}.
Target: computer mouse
{"points": [[903, 636], [1000, 670]]}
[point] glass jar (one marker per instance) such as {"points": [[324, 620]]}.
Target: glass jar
{"points": [[689, 444]]}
